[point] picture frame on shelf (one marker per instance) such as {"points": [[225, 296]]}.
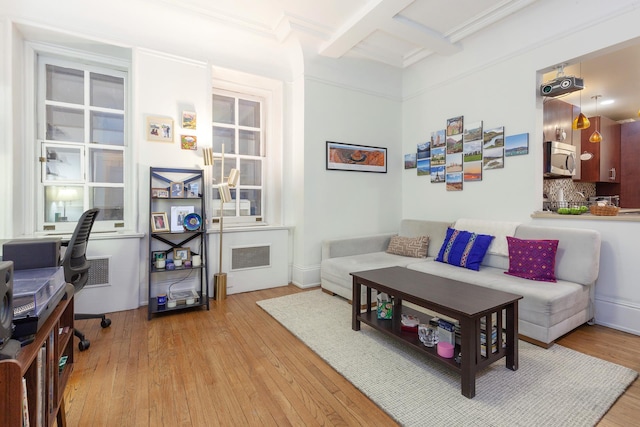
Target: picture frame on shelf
{"points": [[159, 129], [178, 213], [358, 158], [159, 193], [192, 190], [177, 190], [159, 222], [182, 253]]}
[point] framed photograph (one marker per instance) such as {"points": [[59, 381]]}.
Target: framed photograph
{"points": [[182, 253], [156, 255], [177, 189], [189, 120], [192, 189], [159, 129], [160, 193], [359, 158], [159, 222], [177, 217], [188, 142]]}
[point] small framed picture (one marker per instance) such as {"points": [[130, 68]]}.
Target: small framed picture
{"points": [[188, 142], [188, 120], [160, 193], [159, 222], [177, 189], [178, 214], [156, 255], [182, 253], [192, 190], [159, 129]]}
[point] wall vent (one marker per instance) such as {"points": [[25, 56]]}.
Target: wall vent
{"points": [[98, 272], [250, 257]]}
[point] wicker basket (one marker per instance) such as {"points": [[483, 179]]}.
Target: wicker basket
{"points": [[604, 210]]}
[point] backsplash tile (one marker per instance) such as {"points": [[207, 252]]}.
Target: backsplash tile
{"points": [[551, 187]]}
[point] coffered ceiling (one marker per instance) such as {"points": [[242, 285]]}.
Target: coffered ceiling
{"points": [[394, 32]]}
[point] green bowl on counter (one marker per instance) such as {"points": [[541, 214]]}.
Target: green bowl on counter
{"points": [[576, 210]]}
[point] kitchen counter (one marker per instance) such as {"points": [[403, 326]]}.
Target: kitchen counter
{"points": [[629, 215]]}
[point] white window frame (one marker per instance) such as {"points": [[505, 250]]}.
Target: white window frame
{"points": [[36, 96], [239, 219]]}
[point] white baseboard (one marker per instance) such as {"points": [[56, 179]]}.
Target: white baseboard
{"points": [[305, 277], [620, 315]]}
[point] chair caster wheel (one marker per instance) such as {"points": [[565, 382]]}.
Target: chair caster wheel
{"points": [[105, 323], [83, 345]]}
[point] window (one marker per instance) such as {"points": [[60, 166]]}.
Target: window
{"points": [[238, 127], [82, 140]]}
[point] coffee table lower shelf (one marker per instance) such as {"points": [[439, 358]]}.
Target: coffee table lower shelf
{"points": [[392, 328]]}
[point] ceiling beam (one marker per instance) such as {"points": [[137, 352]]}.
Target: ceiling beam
{"points": [[361, 25]]}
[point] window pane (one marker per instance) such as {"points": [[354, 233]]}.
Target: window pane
{"points": [[110, 201], [250, 202], [63, 164], [63, 204], [223, 136], [106, 166], [223, 109], [65, 85], [65, 124], [250, 172], [249, 142], [229, 163], [107, 91], [107, 128], [248, 113], [229, 207]]}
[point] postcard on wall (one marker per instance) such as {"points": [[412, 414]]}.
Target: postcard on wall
{"points": [[188, 142], [424, 167], [438, 138], [410, 161], [189, 120], [516, 145], [455, 126], [493, 149]]}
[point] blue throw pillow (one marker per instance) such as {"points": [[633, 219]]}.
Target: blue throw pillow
{"points": [[464, 249]]}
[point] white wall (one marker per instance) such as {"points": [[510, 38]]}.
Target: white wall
{"points": [[495, 79], [340, 203]]}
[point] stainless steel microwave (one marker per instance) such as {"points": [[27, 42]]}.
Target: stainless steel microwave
{"points": [[559, 159]]}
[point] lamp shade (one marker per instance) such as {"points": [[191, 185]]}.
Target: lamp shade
{"points": [[581, 122], [225, 194], [67, 194]]}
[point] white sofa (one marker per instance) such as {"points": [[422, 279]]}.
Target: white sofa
{"points": [[547, 311]]}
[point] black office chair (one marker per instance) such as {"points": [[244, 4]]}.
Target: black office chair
{"points": [[76, 268]]}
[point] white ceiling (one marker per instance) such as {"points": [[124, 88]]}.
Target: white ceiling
{"points": [[395, 32]]}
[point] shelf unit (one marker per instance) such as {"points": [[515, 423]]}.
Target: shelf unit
{"points": [[39, 364], [189, 183]]}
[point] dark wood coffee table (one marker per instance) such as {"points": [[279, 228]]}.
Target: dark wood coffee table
{"points": [[465, 302]]}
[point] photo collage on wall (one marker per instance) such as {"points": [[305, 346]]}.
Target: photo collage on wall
{"points": [[460, 154]]}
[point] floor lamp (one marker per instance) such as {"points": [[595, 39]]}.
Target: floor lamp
{"points": [[220, 278]]}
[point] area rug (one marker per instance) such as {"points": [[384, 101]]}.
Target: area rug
{"points": [[552, 387]]}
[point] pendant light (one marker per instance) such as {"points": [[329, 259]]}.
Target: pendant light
{"points": [[581, 121], [595, 136]]}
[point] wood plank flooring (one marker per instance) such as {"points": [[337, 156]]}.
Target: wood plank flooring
{"points": [[236, 366]]}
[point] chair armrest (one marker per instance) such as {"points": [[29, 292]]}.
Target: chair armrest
{"points": [[355, 245]]}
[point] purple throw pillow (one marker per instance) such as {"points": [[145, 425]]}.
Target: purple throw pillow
{"points": [[532, 259]]}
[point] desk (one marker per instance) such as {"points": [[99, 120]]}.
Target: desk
{"points": [[38, 364]]}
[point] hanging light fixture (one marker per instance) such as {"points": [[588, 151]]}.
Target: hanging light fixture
{"points": [[581, 121], [596, 136]]}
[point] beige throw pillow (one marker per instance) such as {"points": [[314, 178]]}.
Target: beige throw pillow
{"points": [[409, 246]]}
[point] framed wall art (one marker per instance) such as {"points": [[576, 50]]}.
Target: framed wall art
{"points": [[358, 158], [159, 129], [189, 120], [188, 142]]}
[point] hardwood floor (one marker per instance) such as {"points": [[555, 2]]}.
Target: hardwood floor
{"points": [[235, 365]]}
